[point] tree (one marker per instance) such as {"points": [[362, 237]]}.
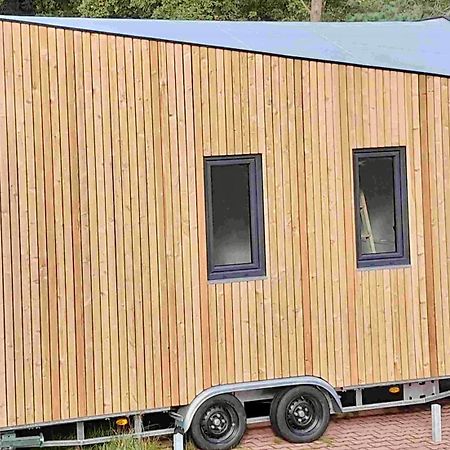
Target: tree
{"points": [[316, 10]]}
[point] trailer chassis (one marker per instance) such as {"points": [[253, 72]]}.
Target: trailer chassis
{"points": [[345, 400]]}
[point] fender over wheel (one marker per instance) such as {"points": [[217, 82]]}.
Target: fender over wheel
{"points": [[219, 423], [300, 414]]}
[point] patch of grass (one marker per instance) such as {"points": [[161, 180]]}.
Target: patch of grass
{"points": [[277, 440], [326, 440], [190, 446], [130, 443]]}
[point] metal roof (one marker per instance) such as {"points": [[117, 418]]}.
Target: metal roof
{"points": [[422, 46]]}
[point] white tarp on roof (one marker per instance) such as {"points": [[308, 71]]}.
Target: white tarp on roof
{"points": [[411, 46]]}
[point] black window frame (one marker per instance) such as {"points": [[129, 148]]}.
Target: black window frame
{"points": [[257, 268], [402, 256]]}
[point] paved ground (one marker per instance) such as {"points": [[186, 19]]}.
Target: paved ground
{"points": [[408, 429]]}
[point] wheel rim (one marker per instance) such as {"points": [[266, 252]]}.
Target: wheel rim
{"points": [[219, 423], [303, 414]]}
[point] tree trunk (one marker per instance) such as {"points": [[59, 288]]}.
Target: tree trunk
{"points": [[316, 10]]}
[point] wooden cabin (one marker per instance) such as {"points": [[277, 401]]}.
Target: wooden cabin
{"points": [[192, 204]]}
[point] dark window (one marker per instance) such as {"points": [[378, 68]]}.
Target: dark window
{"points": [[234, 214], [381, 207]]}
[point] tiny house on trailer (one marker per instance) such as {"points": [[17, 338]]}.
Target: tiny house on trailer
{"points": [[220, 221]]}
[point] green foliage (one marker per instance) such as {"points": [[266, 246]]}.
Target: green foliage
{"points": [[277, 10], [377, 10]]}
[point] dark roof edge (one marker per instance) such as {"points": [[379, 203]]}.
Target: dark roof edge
{"points": [[432, 18]]}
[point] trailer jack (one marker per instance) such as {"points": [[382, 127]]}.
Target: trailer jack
{"points": [[10, 440]]}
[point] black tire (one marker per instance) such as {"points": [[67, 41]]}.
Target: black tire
{"points": [[273, 407], [219, 423], [300, 414]]}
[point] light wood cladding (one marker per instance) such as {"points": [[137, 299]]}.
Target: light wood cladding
{"points": [[104, 301]]}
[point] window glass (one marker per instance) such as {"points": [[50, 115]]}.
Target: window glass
{"points": [[381, 203], [231, 214], [234, 215], [376, 184]]}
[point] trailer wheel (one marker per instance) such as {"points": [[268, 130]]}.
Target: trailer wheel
{"points": [[219, 423], [300, 414]]}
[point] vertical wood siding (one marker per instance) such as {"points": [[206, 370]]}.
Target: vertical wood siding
{"points": [[104, 302]]}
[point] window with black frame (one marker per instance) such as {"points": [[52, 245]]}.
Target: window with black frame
{"points": [[234, 214], [381, 203]]}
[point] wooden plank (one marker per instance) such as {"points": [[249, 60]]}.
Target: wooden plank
{"points": [[160, 322], [303, 301], [253, 331], [114, 57], [78, 313], [185, 335], [135, 323], [167, 138], [51, 316], [427, 219], [152, 337], [237, 105], [198, 133], [10, 398], [441, 252], [66, 221], [272, 226], [34, 319], [59, 303], [145, 297], [286, 225], [245, 336], [193, 215], [66, 96], [91, 152], [309, 99], [265, 306], [14, 138], [420, 227], [333, 271], [3, 217], [323, 203], [408, 282], [412, 195], [445, 120], [296, 344], [111, 362], [25, 315], [102, 343], [42, 325], [84, 312], [349, 227], [278, 76], [340, 306], [129, 306]]}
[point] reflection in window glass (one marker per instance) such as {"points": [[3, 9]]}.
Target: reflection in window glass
{"points": [[377, 205], [231, 214]]}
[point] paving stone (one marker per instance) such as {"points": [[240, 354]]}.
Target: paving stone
{"points": [[407, 428]]}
